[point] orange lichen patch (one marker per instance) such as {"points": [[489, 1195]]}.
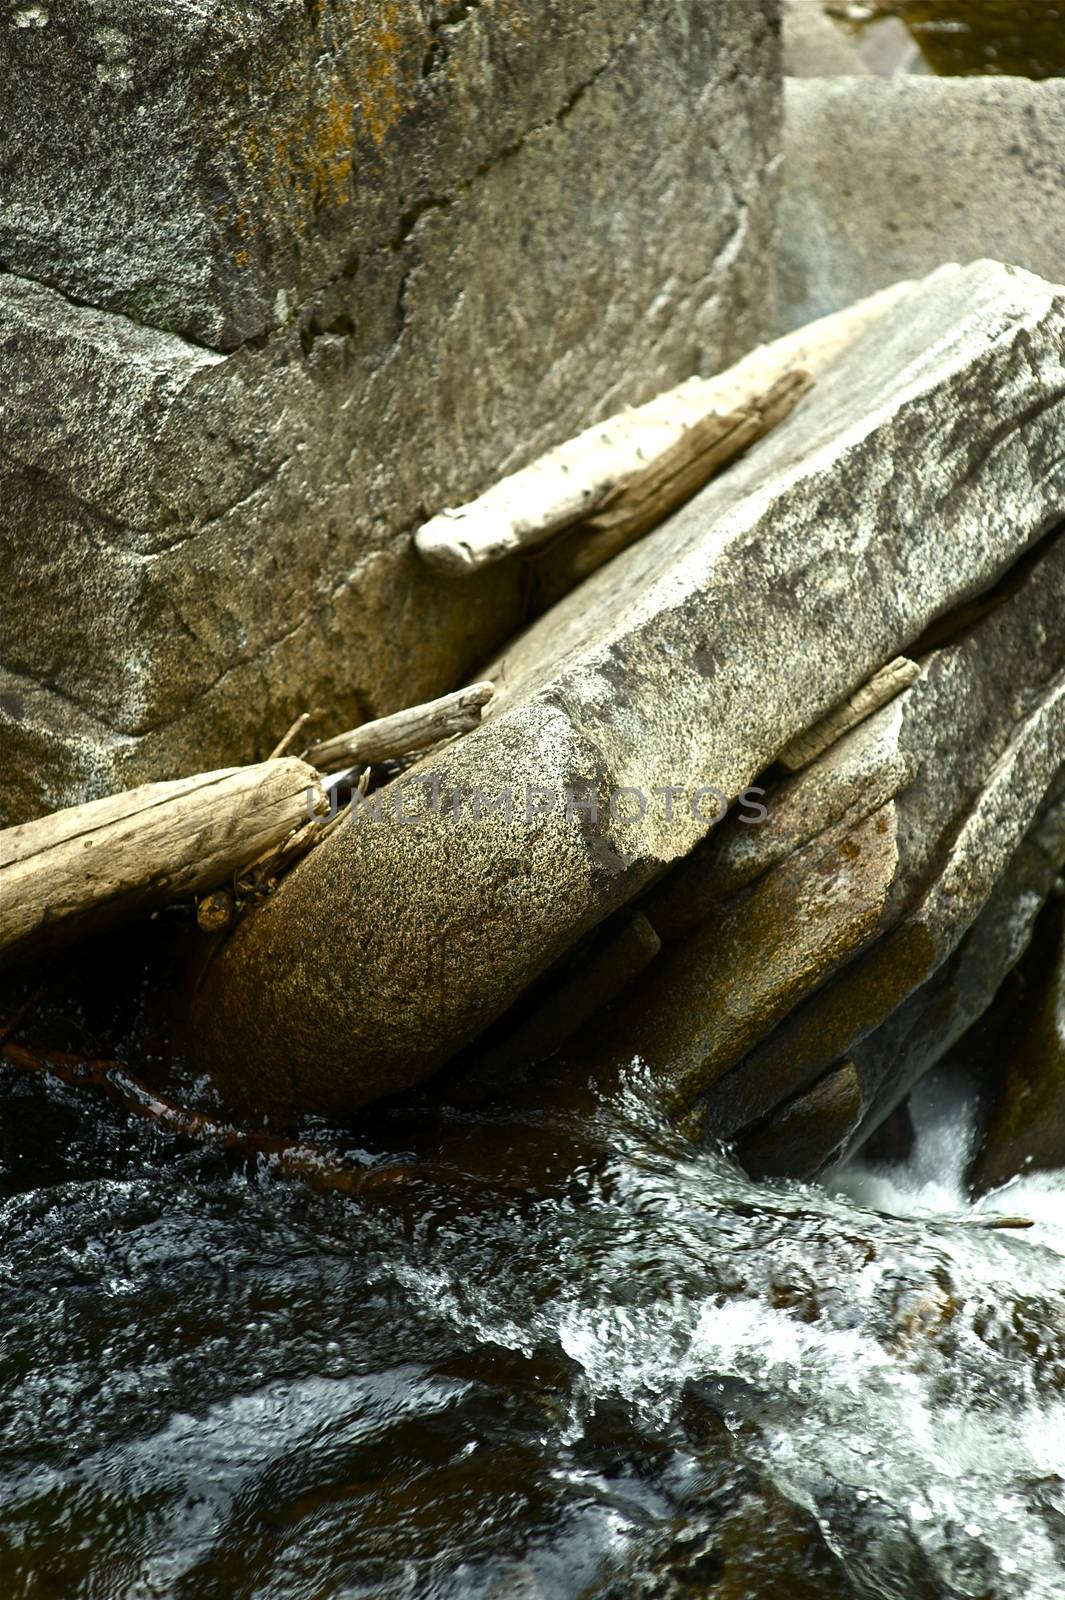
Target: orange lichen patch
{"points": [[387, 92], [333, 160], [303, 151], [307, 163], [353, 76]]}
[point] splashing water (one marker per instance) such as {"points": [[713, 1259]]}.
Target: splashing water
{"points": [[575, 1358]]}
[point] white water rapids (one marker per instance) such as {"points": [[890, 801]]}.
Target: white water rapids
{"points": [[573, 1359]]}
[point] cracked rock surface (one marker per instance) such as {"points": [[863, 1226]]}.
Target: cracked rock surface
{"points": [[885, 502], [279, 280]]}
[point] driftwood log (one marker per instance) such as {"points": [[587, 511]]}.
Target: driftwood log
{"points": [[669, 479], [96, 865], [648, 456], [418, 728], [104, 862], [573, 481]]}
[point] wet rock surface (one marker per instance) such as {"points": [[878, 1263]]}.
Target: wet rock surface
{"points": [[306, 251], [690, 660], [937, 829], [1021, 1049]]}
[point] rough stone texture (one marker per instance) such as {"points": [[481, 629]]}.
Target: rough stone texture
{"points": [[808, 1132], [892, 1058], [814, 46], [690, 660], [896, 1009], [918, 1032], [957, 740], [716, 994], [239, 156], [355, 262], [887, 178], [847, 784]]}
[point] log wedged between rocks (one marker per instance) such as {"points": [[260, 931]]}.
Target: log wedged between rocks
{"points": [[695, 656], [92, 866], [610, 485], [570, 483]]}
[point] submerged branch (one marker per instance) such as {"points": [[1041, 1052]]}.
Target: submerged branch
{"points": [[322, 1167]]}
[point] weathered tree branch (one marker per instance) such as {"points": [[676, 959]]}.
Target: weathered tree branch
{"points": [[670, 479], [417, 728], [640, 465], [104, 862]]}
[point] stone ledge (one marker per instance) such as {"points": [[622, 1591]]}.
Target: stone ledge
{"points": [[888, 178]]}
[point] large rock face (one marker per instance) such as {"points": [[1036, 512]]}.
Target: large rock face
{"points": [[871, 911], [887, 178], [281, 278], [687, 663]]}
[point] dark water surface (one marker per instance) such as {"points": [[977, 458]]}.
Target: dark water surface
{"points": [[565, 1358], [1020, 37]]}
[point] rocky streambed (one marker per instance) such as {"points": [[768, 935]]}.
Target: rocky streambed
{"points": [[656, 1204], [555, 1180], [596, 1126]]}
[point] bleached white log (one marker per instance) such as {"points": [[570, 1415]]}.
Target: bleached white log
{"points": [[626, 514], [572, 481]]}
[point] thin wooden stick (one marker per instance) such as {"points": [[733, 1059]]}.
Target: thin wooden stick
{"points": [[704, 449], [417, 728], [881, 687], [286, 740]]}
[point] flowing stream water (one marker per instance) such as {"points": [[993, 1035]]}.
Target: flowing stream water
{"points": [[1020, 37], [568, 1356]]}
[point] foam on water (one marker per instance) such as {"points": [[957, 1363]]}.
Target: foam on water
{"points": [[931, 1183], [916, 1405], [536, 1377]]}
